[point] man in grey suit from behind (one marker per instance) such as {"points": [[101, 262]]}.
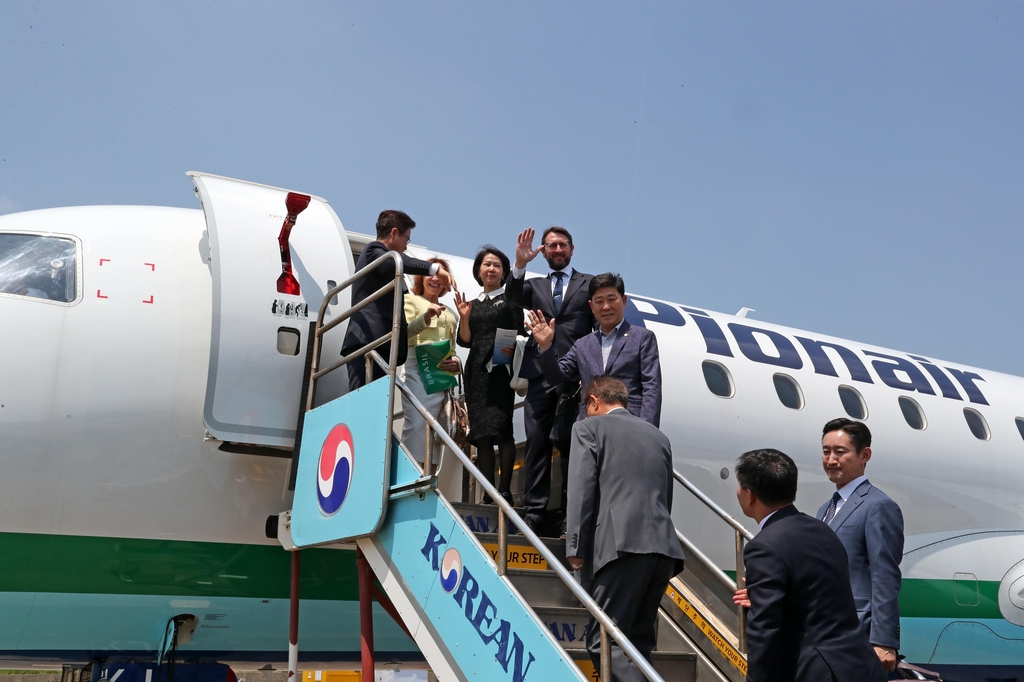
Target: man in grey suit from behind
{"points": [[620, 536], [870, 526]]}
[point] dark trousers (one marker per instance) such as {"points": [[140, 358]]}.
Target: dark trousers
{"points": [[629, 590], [357, 373], [538, 416]]}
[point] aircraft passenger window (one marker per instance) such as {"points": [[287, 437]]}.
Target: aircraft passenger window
{"points": [[287, 341], [1020, 425], [853, 402], [717, 378], [38, 266], [913, 413], [788, 391], [977, 423]]}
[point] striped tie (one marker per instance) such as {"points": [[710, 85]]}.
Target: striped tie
{"points": [[831, 512]]}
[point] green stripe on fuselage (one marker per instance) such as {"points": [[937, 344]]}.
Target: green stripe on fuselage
{"points": [[98, 565], [971, 600]]}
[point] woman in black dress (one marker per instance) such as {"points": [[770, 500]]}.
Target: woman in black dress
{"points": [[489, 397]]}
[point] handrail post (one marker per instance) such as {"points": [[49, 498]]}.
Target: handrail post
{"points": [[369, 368], [606, 655], [428, 451], [502, 542], [741, 611]]}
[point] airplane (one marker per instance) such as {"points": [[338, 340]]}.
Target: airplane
{"points": [[150, 389]]}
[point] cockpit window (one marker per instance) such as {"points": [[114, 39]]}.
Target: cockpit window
{"points": [[38, 266]]}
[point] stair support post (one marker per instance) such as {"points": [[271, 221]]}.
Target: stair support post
{"points": [[741, 612], [293, 621], [606, 655], [502, 542], [365, 616]]}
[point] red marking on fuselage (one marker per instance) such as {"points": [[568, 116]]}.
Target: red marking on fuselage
{"points": [[104, 260], [150, 299], [152, 266], [99, 295]]}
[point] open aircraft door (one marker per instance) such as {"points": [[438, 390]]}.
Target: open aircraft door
{"points": [[273, 254]]}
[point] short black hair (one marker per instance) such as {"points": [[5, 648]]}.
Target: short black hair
{"points": [[608, 389], [607, 279], [506, 264], [769, 474], [558, 229], [390, 219], [858, 432]]}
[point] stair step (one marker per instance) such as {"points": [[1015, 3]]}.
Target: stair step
{"points": [[671, 665], [542, 589], [483, 518], [521, 554]]}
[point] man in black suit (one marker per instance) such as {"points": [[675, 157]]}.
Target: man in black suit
{"points": [[802, 624], [394, 231], [564, 296]]}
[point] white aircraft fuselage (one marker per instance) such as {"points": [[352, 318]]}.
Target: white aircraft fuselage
{"points": [[119, 509]]}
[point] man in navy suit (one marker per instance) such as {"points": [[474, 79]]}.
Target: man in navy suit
{"points": [[562, 295], [616, 348], [870, 526], [802, 625], [394, 231]]}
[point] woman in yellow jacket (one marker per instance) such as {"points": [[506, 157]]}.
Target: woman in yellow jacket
{"points": [[429, 321]]}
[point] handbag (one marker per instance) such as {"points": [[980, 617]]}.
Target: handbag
{"points": [[455, 415], [566, 412]]}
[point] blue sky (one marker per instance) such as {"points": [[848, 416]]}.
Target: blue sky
{"points": [[852, 169]]}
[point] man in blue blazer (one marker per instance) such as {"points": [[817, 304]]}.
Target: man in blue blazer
{"points": [[615, 348], [802, 625], [870, 526]]}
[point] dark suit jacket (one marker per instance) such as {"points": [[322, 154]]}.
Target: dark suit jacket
{"points": [[633, 359], [573, 321], [870, 526], [376, 319], [802, 625], [620, 491]]}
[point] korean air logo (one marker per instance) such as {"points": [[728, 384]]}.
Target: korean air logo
{"points": [[334, 474], [451, 570]]}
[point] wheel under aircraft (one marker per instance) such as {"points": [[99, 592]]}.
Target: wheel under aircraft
{"points": [[149, 391]]}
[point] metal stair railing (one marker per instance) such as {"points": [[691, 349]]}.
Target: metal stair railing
{"points": [[505, 511], [742, 535]]}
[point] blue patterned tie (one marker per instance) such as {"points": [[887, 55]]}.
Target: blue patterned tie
{"points": [[831, 512], [557, 295]]}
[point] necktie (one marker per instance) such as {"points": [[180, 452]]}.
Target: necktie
{"points": [[557, 294], [830, 513]]}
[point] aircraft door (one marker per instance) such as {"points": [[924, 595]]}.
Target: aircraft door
{"points": [[273, 256]]}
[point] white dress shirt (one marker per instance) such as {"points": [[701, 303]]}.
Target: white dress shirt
{"points": [[846, 491], [764, 521], [519, 274]]}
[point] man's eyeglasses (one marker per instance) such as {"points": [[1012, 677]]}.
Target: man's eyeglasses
{"points": [[554, 246]]}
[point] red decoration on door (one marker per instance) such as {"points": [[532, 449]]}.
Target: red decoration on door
{"points": [[296, 204]]}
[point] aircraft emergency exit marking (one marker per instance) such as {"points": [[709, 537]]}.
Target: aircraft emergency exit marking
{"points": [[99, 295], [152, 266], [150, 299], [104, 260]]}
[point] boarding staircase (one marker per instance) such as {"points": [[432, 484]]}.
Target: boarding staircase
{"points": [[483, 596]]}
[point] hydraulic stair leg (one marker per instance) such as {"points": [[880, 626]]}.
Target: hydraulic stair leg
{"points": [[365, 616], [293, 622]]}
